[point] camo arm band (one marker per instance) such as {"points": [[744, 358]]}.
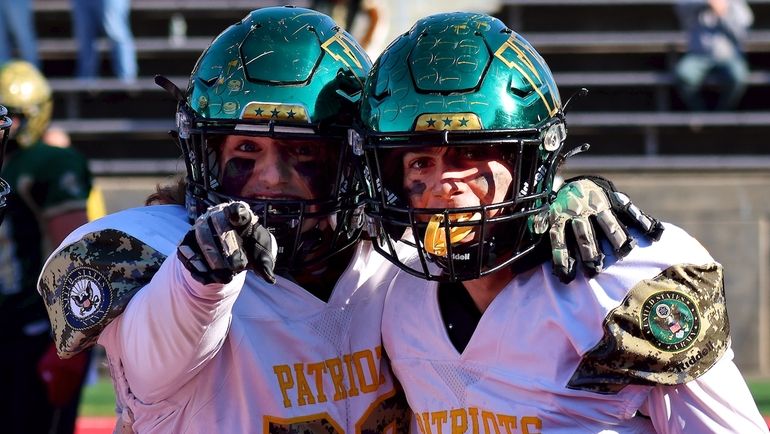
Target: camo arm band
{"points": [[668, 330], [89, 283]]}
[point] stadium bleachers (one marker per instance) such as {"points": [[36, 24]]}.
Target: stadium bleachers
{"points": [[621, 50]]}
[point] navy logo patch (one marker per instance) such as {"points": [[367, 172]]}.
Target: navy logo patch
{"points": [[87, 297], [670, 321]]}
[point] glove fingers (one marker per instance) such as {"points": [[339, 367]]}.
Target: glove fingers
{"points": [[622, 244], [649, 225], [563, 263], [263, 249], [588, 246], [240, 217], [229, 241]]}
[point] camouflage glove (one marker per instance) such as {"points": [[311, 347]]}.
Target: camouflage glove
{"points": [[226, 240], [589, 204]]}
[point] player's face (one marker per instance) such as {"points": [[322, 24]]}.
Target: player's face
{"points": [[455, 177], [266, 168]]}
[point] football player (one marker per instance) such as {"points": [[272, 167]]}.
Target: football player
{"points": [[464, 132], [49, 187], [262, 315]]}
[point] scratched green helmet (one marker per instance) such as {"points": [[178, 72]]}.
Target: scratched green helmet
{"points": [[289, 74], [461, 80]]}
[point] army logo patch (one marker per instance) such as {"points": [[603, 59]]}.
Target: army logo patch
{"points": [[87, 297], [670, 320]]}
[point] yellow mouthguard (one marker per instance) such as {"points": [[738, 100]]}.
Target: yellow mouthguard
{"points": [[435, 235]]}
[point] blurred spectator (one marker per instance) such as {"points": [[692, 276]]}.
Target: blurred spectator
{"points": [[17, 23], [366, 20], [92, 17], [96, 206], [55, 136], [716, 30], [50, 186]]}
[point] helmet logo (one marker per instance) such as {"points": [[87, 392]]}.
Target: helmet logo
{"points": [[339, 47], [513, 53], [273, 111], [447, 121]]}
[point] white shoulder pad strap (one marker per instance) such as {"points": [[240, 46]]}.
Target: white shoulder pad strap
{"points": [[669, 330]]}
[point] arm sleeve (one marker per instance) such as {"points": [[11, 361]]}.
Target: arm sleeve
{"points": [[717, 402], [738, 20], [172, 328]]}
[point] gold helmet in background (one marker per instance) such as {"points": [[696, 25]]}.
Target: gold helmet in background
{"points": [[27, 95]]}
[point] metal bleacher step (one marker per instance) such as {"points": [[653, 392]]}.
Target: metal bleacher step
{"points": [[173, 5]]}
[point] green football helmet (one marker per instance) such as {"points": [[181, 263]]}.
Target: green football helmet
{"points": [[461, 80], [5, 127], [285, 73], [25, 92]]}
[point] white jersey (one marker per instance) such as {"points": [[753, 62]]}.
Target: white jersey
{"points": [[250, 357], [618, 353]]}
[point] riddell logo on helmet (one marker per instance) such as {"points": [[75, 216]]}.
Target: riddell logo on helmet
{"points": [[461, 256]]}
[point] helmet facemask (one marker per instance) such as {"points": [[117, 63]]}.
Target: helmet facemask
{"points": [[481, 239], [306, 230]]}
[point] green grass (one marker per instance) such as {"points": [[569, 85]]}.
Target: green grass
{"points": [[760, 389], [99, 399]]}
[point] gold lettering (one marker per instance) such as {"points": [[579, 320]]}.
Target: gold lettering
{"points": [[426, 421], [304, 394], [335, 371], [474, 412], [353, 391], [342, 44], [487, 417], [459, 420], [507, 422], [531, 421], [422, 428], [438, 418], [317, 370], [285, 382], [366, 387]]}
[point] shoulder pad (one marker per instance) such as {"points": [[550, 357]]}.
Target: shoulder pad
{"points": [[668, 330], [88, 283]]}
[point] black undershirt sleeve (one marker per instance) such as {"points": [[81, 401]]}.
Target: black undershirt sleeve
{"points": [[459, 312]]}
